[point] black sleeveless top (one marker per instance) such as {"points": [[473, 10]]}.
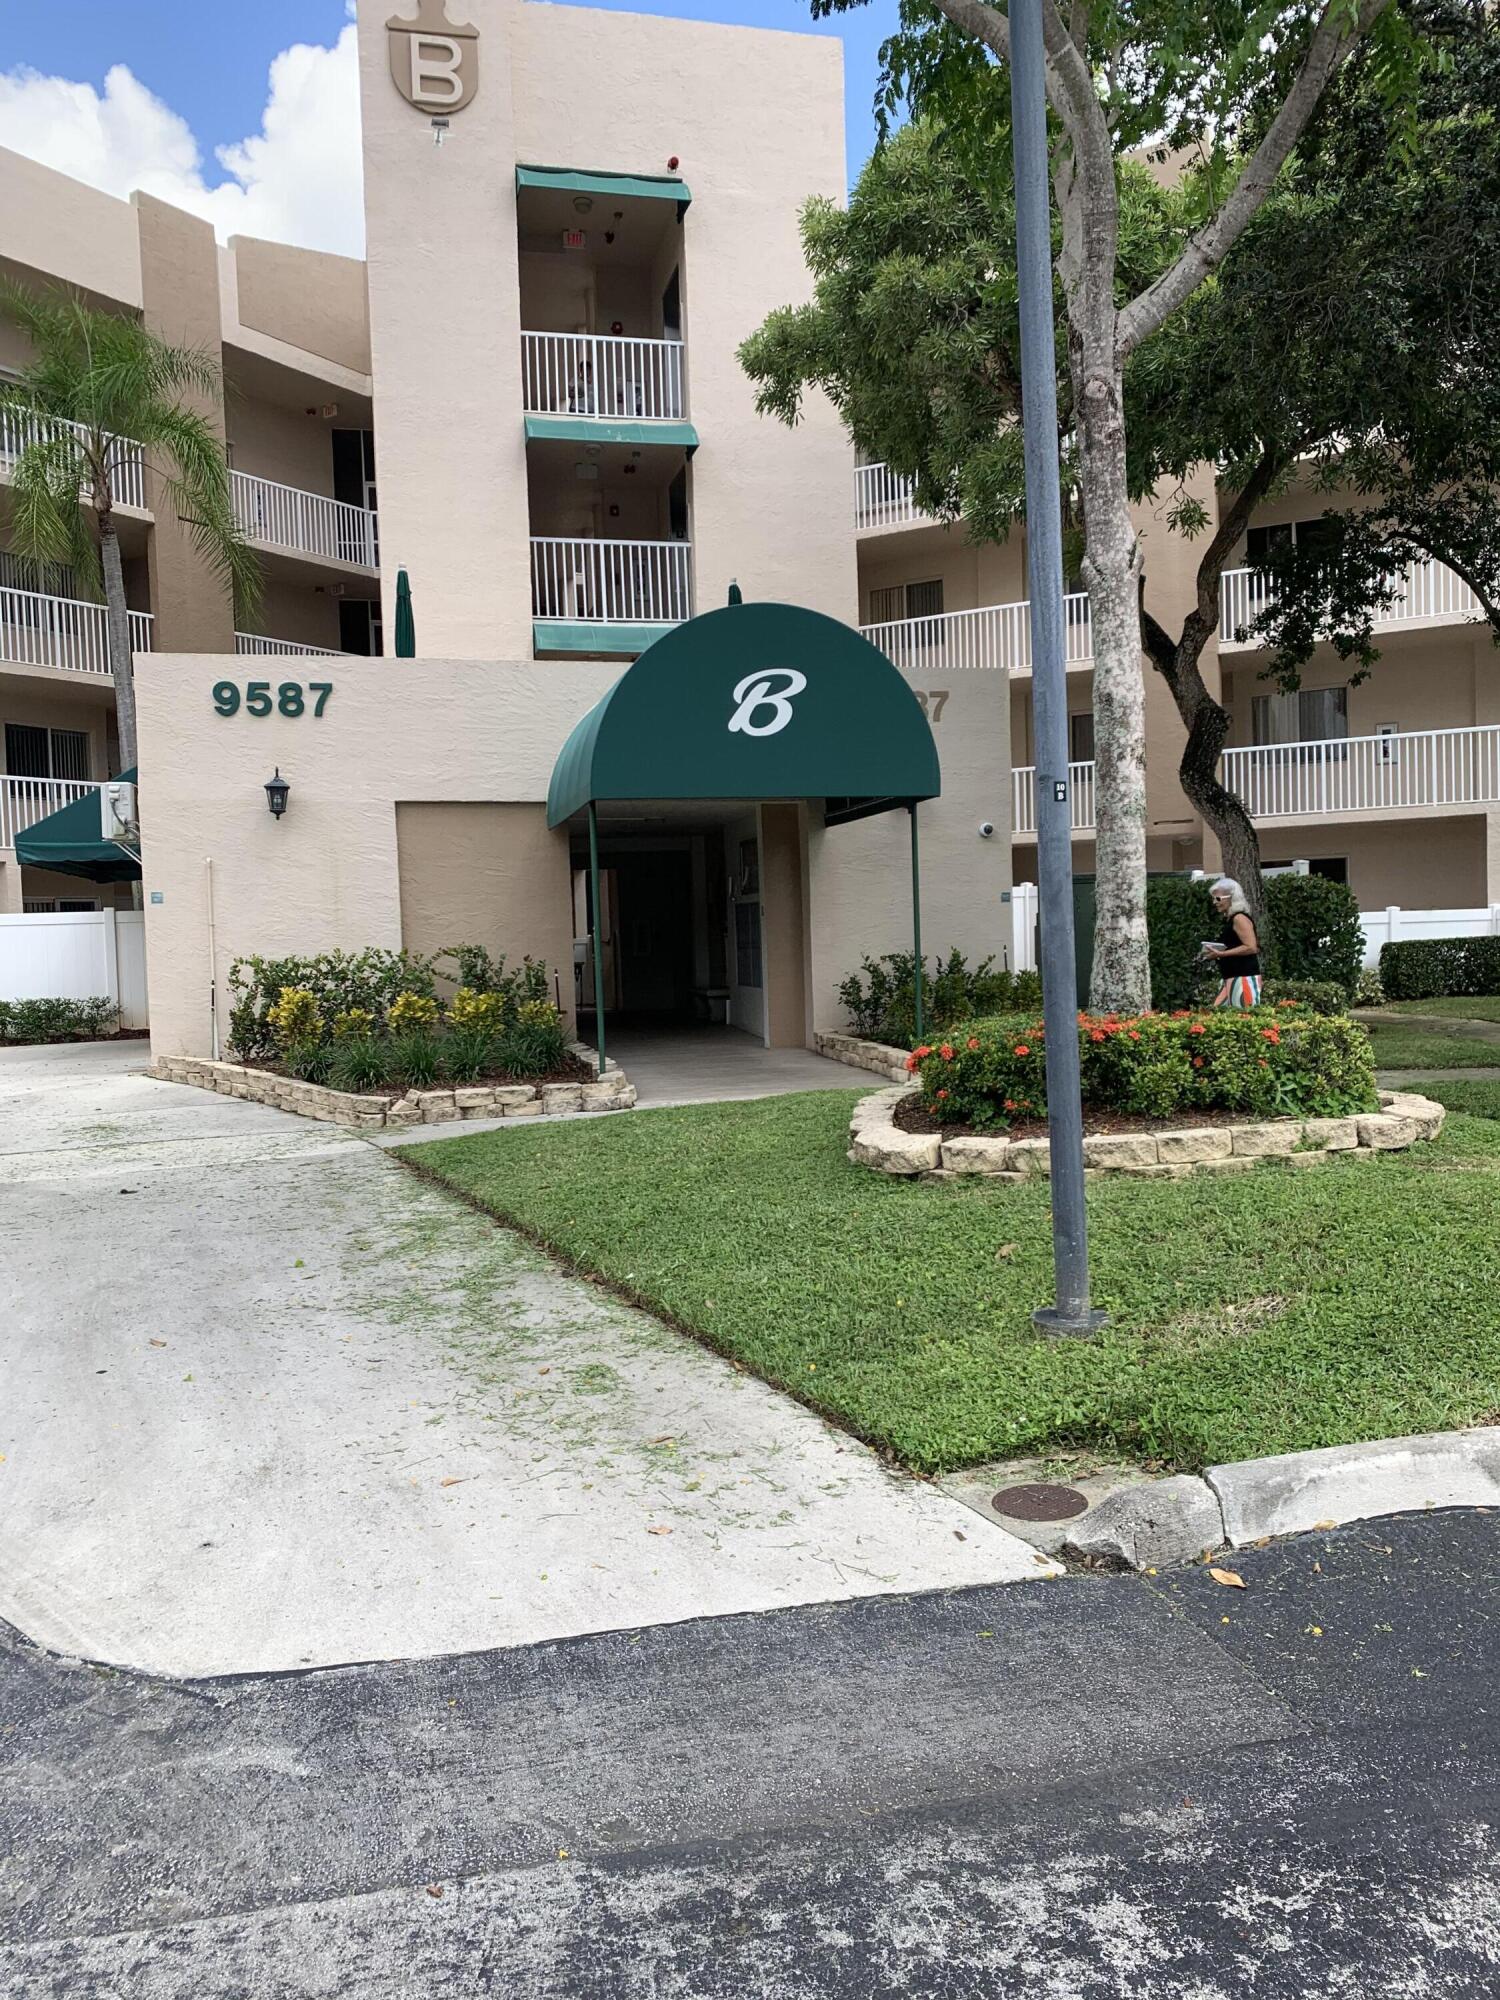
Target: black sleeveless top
{"points": [[1238, 968]]}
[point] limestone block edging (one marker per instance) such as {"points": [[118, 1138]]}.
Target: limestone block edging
{"points": [[877, 1141], [613, 1092], [877, 1056]]}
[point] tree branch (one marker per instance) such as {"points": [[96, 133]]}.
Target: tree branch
{"points": [[1332, 42]]}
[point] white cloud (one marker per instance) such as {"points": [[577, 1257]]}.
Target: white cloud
{"points": [[297, 180]]}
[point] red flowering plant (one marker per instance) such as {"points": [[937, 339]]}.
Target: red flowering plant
{"points": [[1269, 1062]]}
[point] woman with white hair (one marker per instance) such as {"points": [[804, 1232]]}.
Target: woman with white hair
{"points": [[1237, 949]]}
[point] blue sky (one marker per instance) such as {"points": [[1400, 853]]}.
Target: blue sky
{"points": [[207, 59]]}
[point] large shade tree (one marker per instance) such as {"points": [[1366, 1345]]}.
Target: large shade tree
{"points": [[1121, 74], [93, 383]]}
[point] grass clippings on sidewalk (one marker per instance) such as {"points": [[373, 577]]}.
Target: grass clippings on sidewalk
{"points": [[1251, 1313]]}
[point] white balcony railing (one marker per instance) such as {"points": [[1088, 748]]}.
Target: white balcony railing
{"points": [[257, 642], [312, 523], [1332, 778], [126, 460], [1360, 774], [601, 375], [1080, 797], [883, 499], [619, 583], [996, 635], [41, 631], [1427, 590], [23, 801]]}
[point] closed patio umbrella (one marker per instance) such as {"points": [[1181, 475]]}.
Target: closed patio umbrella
{"points": [[406, 631]]}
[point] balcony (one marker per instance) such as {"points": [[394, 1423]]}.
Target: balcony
{"points": [[41, 631], [602, 376], [1444, 770], [312, 524], [127, 461], [996, 635], [23, 801], [598, 596], [258, 643], [1023, 798], [884, 499], [1429, 593]]}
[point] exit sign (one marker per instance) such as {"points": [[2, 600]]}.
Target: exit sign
{"points": [[575, 239]]}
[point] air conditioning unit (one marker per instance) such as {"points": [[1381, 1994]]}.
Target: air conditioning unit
{"points": [[118, 819]]}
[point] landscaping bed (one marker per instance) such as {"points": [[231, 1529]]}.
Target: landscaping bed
{"points": [[34, 1023], [1249, 1314]]}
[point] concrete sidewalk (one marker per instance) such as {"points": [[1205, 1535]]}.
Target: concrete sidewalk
{"points": [[272, 1402], [686, 1065]]}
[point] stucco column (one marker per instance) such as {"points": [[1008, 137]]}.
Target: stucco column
{"points": [[1492, 856], [180, 300], [10, 887], [784, 926]]}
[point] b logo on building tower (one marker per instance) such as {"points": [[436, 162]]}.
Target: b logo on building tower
{"points": [[434, 61], [768, 688]]}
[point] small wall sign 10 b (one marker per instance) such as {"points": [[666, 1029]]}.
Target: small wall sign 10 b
{"points": [[261, 698]]}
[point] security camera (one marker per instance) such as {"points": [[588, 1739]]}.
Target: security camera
{"points": [[986, 829]]}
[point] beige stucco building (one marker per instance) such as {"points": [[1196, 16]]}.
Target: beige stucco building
{"points": [[528, 398]]}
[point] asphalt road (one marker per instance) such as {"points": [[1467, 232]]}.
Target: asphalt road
{"points": [[1081, 1789]]}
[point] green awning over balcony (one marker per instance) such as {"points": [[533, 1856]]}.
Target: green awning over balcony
{"points": [[755, 701], [593, 635], [583, 180], [614, 430], [68, 842]]}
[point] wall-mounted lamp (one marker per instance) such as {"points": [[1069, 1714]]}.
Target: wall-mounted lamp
{"points": [[276, 793]]}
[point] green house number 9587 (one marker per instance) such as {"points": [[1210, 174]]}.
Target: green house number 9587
{"points": [[260, 698]]}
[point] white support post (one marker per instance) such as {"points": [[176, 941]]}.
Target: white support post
{"points": [[111, 943]]}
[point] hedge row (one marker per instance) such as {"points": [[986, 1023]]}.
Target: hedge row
{"points": [[1432, 968], [1314, 934], [58, 1020], [1272, 1062]]}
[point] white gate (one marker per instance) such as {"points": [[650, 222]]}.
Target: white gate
{"points": [[77, 955]]}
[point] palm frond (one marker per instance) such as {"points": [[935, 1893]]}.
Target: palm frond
{"points": [[188, 457]]}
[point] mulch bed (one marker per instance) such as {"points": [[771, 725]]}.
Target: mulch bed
{"points": [[569, 1070], [912, 1116]]}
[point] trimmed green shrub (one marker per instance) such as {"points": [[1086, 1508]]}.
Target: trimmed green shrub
{"points": [[340, 982], [294, 1018], [1368, 991], [58, 1020], [470, 1051], [360, 1063], [309, 1062], [1267, 1061], [1435, 968], [881, 997], [1319, 996], [417, 1058], [1313, 934], [532, 1048], [1179, 916]]}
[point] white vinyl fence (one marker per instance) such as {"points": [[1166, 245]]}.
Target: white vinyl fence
{"points": [[1391, 925], [77, 955]]}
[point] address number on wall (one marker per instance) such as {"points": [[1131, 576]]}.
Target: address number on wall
{"points": [[933, 700], [261, 698]]}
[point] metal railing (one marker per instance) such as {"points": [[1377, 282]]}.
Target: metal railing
{"points": [[41, 631], [1360, 774], [601, 375], [1080, 797], [23, 801], [1427, 590], [290, 518], [884, 499], [995, 635], [127, 463], [620, 583], [257, 642], [1333, 777]]}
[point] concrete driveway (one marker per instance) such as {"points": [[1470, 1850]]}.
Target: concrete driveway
{"points": [[271, 1402]]}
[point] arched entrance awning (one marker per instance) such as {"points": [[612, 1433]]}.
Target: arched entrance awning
{"points": [[754, 701], [758, 702]]}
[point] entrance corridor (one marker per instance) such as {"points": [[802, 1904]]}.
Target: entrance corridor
{"points": [[673, 1064]]}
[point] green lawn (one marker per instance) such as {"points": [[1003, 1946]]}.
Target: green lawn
{"points": [[1478, 1007], [1399, 1047], [1477, 1099], [1252, 1313]]}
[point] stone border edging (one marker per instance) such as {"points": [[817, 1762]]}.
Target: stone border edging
{"points": [[878, 1142], [877, 1056], [1181, 1519], [614, 1092]]}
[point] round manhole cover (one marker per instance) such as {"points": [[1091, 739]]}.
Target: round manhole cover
{"points": [[1039, 1503]]}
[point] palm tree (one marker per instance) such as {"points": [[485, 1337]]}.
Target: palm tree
{"points": [[98, 385]]}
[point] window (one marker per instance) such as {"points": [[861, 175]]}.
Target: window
{"points": [[907, 600], [1333, 868], [1288, 534], [747, 944], [51, 579], [925, 600], [1081, 737], [33, 752], [1305, 715], [887, 605]]}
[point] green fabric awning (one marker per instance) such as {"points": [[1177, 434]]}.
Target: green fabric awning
{"points": [[754, 701], [583, 180], [67, 842], [581, 429]]}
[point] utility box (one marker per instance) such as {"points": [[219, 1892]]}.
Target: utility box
{"points": [[118, 819]]}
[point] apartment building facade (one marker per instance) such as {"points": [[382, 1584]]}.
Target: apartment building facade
{"points": [[527, 397]]}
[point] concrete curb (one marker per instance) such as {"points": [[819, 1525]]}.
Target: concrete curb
{"points": [[1176, 1520]]}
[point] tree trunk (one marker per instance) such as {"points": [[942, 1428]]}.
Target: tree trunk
{"points": [[1222, 813], [117, 628], [1121, 979]]}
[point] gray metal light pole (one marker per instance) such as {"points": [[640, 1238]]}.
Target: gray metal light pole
{"points": [[1072, 1313]]}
